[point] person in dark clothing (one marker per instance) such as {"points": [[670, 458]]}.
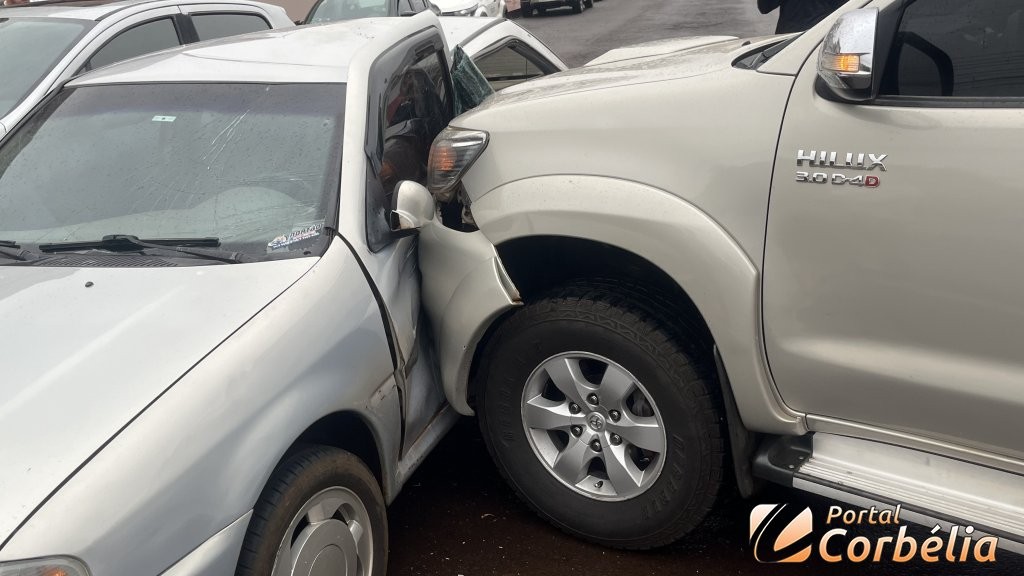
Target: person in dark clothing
{"points": [[799, 15]]}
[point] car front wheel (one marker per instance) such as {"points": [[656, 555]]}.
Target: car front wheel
{"points": [[601, 419], [322, 512], [577, 6]]}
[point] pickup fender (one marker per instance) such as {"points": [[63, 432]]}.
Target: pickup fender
{"points": [[686, 243]]}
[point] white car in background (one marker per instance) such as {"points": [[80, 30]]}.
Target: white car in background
{"points": [[471, 7], [505, 52], [54, 41]]}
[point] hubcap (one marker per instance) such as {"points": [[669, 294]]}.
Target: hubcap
{"points": [[330, 536], [594, 426]]}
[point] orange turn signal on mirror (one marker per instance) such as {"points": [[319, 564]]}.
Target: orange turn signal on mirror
{"points": [[846, 63]]}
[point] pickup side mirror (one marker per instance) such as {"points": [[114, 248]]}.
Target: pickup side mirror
{"points": [[847, 59], [414, 207]]}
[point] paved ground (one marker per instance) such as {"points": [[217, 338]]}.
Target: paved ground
{"points": [[578, 38], [456, 517]]}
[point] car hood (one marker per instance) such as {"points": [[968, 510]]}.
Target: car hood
{"points": [[449, 6], [644, 63], [84, 350]]}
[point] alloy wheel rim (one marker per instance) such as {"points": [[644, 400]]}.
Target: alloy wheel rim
{"points": [[330, 536], [594, 426]]}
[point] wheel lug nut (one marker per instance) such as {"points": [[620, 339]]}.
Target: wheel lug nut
{"points": [[592, 399], [574, 408], [577, 431], [614, 415], [615, 439], [595, 445]]}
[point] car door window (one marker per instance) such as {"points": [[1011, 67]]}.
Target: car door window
{"points": [[470, 85], [958, 48], [406, 6], [142, 39], [417, 108], [212, 26], [508, 66], [415, 104]]}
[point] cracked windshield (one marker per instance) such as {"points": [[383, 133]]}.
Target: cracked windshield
{"points": [[242, 167]]}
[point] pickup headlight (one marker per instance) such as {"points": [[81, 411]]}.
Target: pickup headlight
{"points": [[44, 567], [453, 152]]}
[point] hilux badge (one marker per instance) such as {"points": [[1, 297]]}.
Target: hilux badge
{"points": [[834, 160], [848, 161]]}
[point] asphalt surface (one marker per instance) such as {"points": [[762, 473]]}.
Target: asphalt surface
{"points": [[579, 38], [456, 516]]}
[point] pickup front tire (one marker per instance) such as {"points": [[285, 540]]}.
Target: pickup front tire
{"points": [[601, 420]]}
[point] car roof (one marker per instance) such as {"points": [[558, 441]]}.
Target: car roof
{"points": [[94, 10], [304, 54]]}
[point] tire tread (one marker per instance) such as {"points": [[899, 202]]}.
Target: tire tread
{"points": [[680, 346]]}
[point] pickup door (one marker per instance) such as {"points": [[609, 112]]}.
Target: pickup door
{"points": [[901, 305]]}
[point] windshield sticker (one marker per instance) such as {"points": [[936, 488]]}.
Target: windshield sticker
{"points": [[299, 234], [164, 118]]}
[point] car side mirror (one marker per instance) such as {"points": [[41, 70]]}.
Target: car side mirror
{"points": [[414, 208], [846, 62]]}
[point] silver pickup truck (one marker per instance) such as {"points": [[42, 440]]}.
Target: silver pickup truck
{"points": [[790, 257]]}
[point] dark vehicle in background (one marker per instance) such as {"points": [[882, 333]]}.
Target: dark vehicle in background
{"points": [[542, 6]]}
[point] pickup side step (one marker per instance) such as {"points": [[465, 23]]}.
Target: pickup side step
{"points": [[932, 489]]}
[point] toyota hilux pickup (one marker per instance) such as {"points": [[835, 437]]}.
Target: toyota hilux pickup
{"points": [[788, 258]]}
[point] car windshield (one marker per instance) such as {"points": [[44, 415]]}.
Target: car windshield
{"points": [[251, 164], [31, 47], [333, 10]]}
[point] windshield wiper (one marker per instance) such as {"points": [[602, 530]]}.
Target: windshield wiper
{"points": [[198, 247], [14, 251]]}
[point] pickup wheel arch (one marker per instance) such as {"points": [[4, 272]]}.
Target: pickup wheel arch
{"points": [[538, 265], [628, 228]]}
